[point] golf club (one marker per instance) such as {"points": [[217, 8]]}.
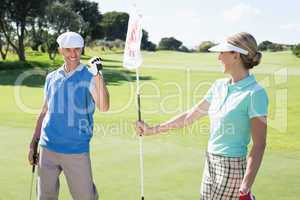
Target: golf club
{"points": [[35, 158]]}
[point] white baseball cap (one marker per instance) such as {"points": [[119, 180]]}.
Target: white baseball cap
{"points": [[225, 47], [70, 40]]}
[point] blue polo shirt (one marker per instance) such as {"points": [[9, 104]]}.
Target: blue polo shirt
{"points": [[231, 108], [68, 125]]}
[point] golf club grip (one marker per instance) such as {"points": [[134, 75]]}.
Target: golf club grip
{"points": [[33, 168], [139, 107], [142, 198]]}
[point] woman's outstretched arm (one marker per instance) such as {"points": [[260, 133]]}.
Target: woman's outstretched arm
{"points": [[181, 120]]}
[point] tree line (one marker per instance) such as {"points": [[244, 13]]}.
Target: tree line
{"points": [[37, 23]]}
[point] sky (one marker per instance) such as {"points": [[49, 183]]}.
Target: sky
{"points": [[194, 21]]}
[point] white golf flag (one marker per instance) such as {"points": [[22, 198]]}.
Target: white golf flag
{"points": [[132, 54]]}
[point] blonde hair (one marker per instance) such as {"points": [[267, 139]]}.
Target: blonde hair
{"points": [[246, 41]]}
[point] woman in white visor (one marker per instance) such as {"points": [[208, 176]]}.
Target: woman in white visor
{"points": [[237, 108]]}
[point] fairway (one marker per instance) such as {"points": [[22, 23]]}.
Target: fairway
{"points": [[171, 82]]}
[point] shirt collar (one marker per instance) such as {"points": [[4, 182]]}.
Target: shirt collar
{"points": [[250, 79], [62, 71]]}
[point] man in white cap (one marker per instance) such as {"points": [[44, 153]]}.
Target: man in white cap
{"points": [[65, 125]]}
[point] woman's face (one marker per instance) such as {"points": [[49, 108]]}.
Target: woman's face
{"points": [[228, 60]]}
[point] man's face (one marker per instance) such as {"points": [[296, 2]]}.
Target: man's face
{"points": [[71, 55]]}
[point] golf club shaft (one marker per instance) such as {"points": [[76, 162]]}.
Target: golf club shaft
{"points": [[35, 158], [31, 185], [32, 178]]}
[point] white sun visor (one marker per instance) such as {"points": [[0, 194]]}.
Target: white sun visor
{"points": [[225, 47]]}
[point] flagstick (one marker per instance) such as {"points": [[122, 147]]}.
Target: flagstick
{"points": [[141, 136], [138, 94]]}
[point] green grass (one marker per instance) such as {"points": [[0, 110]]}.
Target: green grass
{"points": [[173, 162]]}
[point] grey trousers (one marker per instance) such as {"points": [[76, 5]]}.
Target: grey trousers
{"points": [[77, 170]]}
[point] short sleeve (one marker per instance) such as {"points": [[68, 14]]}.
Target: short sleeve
{"points": [[258, 104], [209, 94]]}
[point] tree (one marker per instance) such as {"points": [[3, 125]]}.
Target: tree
{"points": [[183, 48], [114, 25], [150, 46], [16, 14], [51, 45], [169, 44], [296, 50], [265, 45], [90, 28], [271, 46], [37, 32], [146, 44], [59, 18], [4, 46], [81, 16], [204, 46]]}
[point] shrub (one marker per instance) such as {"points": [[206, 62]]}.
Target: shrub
{"points": [[296, 50]]}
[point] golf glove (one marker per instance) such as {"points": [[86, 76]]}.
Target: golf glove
{"points": [[247, 196], [95, 65]]}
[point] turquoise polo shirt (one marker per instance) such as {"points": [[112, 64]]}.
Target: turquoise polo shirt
{"points": [[68, 124], [231, 108]]}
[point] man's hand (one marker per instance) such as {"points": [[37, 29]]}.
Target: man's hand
{"points": [[33, 155], [95, 65]]}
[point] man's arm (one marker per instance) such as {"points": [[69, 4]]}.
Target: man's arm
{"points": [[100, 94], [37, 131]]}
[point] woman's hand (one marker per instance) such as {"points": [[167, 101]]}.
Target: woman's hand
{"points": [[244, 189], [247, 196], [143, 129], [245, 193]]}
